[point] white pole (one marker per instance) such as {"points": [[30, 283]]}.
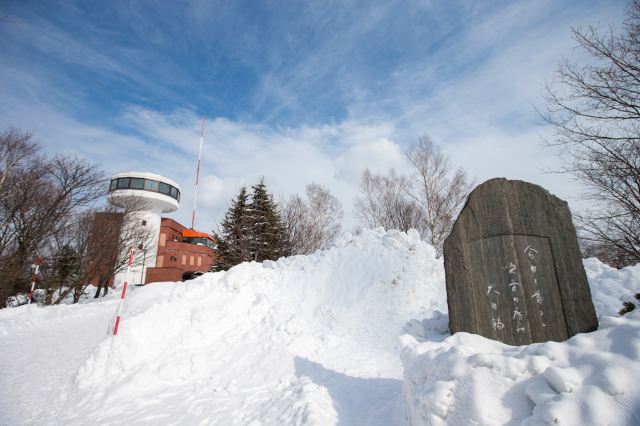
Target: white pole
{"points": [[195, 190], [35, 277]]}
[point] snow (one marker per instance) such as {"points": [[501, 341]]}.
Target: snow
{"points": [[591, 379], [353, 335]]}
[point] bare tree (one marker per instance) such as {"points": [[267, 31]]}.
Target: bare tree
{"points": [[113, 233], [311, 224], [383, 201], [428, 199], [437, 188], [15, 148], [595, 109], [37, 198], [65, 261]]}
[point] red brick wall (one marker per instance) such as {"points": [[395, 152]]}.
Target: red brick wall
{"points": [[174, 255], [155, 275], [171, 229], [103, 246]]}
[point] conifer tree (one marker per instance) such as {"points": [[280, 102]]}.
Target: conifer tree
{"points": [[233, 243], [251, 230], [268, 239]]}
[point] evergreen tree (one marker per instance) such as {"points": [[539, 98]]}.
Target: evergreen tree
{"points": [[65, 270], [251, 230], [233, 243], [267, 240]]}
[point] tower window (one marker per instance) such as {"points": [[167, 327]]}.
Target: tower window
{"points": [[164, 188], [137, 183], [151, 185], [123, 183]]}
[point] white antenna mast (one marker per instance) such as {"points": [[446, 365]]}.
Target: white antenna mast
{"points": [[195, 190]]}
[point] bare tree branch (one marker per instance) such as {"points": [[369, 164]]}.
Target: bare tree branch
{"points": [[311, 224], [595, 110]]}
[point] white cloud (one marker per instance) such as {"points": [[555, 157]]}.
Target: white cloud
{"points": [[474, 94]]}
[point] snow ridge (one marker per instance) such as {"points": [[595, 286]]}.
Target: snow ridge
{"points": [[304, 340], [314, 340]]}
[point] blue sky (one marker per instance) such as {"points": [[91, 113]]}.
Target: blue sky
{"points": [[295, 91]]}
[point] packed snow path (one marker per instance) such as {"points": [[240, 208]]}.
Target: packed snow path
{"points": [[313, 340], [41, 349]]}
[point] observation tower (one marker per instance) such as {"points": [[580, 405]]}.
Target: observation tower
{"points": [[146, 195]]}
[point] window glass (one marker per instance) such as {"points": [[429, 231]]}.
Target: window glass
{"points": [[123, 183], [174, 192], [113, 185], [151, 185], [136, 183], [178, 197], [164, 188]]}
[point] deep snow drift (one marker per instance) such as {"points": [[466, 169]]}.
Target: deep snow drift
{"points": [[305, 340], [312, 340], [591, 379]]}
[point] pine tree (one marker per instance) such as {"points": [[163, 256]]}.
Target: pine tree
{"points": [[233, 243], [64, 272], [267, 239], [251, 230]]}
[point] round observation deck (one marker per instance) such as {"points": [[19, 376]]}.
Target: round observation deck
{"points": [[156, 193]]}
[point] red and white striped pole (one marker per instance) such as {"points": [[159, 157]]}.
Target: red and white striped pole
{"points": [[124, 291], [35, 278], [195, 191]]}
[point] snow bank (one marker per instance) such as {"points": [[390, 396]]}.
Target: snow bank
{"points": [[313, 340], [611, 287], [307, 339], [591, 379]]}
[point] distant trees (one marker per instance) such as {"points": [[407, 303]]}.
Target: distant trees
{"points": [[311, 223], [384, 201], [428, 199], [256, 228], [252, 229], [38, 198], [595, 109], [439, 190], [48, 209]]}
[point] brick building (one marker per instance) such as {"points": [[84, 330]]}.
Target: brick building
{"points": [[181, 251], [174, 253]]}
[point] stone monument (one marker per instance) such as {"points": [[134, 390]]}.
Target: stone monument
{"points": [[513, 267]]}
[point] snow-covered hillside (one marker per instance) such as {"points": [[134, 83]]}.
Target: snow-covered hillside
{"points": [[311, 340]]}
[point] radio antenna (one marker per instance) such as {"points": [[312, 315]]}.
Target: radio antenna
{"points": [[195, 190]]}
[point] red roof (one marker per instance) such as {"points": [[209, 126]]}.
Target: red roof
{"points": [[190, 233]]}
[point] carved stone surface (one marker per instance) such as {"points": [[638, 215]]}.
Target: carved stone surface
{"points": [[513, 267]]}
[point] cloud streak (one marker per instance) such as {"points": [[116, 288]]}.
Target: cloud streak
{"points": [[312, 93]]}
